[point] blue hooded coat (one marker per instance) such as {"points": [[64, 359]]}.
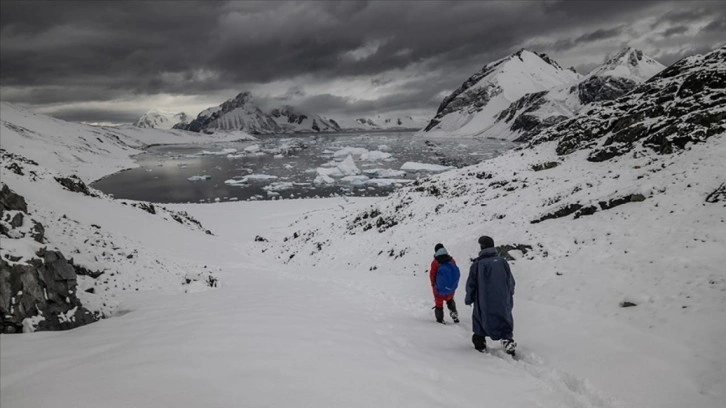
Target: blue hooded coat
{"points": [[490, 287]]}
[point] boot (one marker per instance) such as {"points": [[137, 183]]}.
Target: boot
{"points": [[452, 310], [510, 346], [480, 342], [439, 313]]}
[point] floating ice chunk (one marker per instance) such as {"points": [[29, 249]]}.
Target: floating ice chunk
{"points": [[235, 182], [347, 167], [375, 155], [222, 152], [380, 182], [288, 166], [323, 179], [347, 151], [252, 149], [235, 156], [199, 178], [355, 180], [329, 172], [278, 156], [278, 186], [414, 166], [384, 148], [260, 177], [384, 173]]}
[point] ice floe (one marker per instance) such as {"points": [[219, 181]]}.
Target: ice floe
{"points": [[347, 151], [384, 173], [199, 178], [375, 155], [415, 166], [222, 152]]}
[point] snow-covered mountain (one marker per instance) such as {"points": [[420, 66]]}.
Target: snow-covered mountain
{"points": [[382, 122], [683, 104], [242, 113], [472, 108], [535, 111], [162, 120]]}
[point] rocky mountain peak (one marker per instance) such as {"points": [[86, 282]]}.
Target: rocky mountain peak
{"points": [[629, 63], [161, 120]]}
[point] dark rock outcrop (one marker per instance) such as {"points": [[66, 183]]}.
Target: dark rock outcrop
{"points": [[38, 293], [44, 288], [75, 184], [682, 104], [10, 201]]}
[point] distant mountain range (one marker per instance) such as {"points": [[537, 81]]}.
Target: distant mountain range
{"points": [[162, 120], [520, 95], [243, 113], [513, 98]]}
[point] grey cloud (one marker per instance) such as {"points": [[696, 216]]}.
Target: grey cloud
{"points": [[98, 51], [675, 31], [716, 26], [98, 115]]}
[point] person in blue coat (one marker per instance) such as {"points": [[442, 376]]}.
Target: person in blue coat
{"points": [[490, 289]]}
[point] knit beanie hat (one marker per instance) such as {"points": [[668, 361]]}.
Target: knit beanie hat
{"points": [[438, 246], [441, 251], [486, 242]]}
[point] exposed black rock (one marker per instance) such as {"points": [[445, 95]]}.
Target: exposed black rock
{"points": [[44, 288], [75, 184], [680, 105], [503, 250], [544, 166], [562, 212], [10, 201], [597, 88], [719, 194]]}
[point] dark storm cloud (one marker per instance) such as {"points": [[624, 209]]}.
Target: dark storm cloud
{"points": [[716, 26], [675, 31], [55, 52], [91, 115]]}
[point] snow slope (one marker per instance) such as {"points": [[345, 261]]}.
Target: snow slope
{"points": [[162, 120], [90, 152]]}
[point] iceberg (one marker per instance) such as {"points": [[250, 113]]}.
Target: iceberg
{"points": [[199, 178], [415, 166], [375, 155]]}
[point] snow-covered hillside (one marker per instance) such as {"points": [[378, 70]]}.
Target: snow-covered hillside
{"points": [[90, 152], [535, 111], [242, 113], [634, 241], [162, 120]]}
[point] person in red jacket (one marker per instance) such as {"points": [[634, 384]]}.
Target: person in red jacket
{"points": [[441, 255]]}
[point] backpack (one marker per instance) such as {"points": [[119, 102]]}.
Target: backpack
{"points": [[447, 278]]}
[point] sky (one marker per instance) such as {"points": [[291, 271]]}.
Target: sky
{"points": [[109, 62]]}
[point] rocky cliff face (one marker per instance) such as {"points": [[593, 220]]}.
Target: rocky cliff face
{"points": [[242, 113], [685, 103], [38, 290]]}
